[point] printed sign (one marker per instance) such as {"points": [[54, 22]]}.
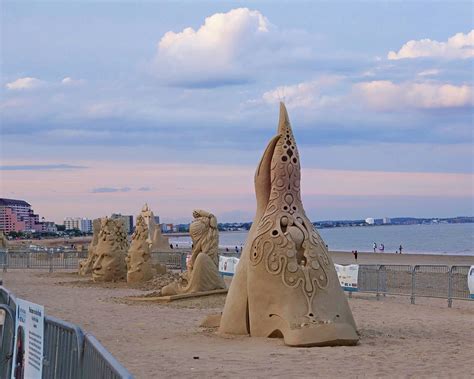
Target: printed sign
{"points": [[348, 276], [470, 282], [29, 337], [227, 265]]}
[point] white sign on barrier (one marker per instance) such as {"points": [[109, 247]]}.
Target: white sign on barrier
{"points": [[227, 265], [348, 276], [470, 281], [29, 337]]}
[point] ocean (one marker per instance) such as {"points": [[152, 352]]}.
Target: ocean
{"points": [[455, 239]]}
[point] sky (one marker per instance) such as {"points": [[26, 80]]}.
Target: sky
{"points": [[108, 105]]}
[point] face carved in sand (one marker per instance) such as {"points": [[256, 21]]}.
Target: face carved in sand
{"points": [[110, 252]]}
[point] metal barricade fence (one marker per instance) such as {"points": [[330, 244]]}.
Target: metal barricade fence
{"points": [[66, 352], [61, 337], [436, 281], [99, 363], [175, 261], [70, 260]]}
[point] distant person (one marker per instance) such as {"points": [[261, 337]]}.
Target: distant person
{"points": [[400, 248], [355, 255], [375, 247], [382, 247], [171, 245], [236, 249], [176, 245], [227, 249]]}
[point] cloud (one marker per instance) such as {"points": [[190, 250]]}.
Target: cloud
{"points": [[110, 190], [305, 94], [38, 167], [459, 46], [24, 84], [431, 72], [144, 189], [227, 49], [68, 81], [386, 95]]}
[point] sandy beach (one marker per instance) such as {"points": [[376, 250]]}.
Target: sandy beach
{"points": [[152, 340]]}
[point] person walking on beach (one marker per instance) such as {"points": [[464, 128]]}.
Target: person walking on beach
{"points": [[401, 247], [382, 247], [355, 254], [375, 247]]}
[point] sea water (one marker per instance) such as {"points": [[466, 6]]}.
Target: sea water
{"points": [[456, 239]]}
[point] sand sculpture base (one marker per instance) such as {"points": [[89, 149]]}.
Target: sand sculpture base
{"points": [[167, 299]]}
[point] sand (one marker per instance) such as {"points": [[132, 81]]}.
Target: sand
{"points": [[164, 340]]}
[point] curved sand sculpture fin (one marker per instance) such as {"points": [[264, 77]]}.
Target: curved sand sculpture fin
{"points": [[85, 265], [286, 284]]}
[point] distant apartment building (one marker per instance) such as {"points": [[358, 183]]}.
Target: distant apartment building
{"points": [[127, 221], [82, 224], [370, 221], [386, 220], [17, 216]]}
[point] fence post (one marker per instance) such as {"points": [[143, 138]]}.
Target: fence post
{"points": [[5, 262], [413, 273], [50, 261], [378, 283], [450, 287], [28, 260], [183, 261]]}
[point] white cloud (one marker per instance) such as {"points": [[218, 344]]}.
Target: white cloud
{"points": [[459, 46], [305, 94], [24, 84], [386, 95], [432, 72], [226, 49], [68, 81]]}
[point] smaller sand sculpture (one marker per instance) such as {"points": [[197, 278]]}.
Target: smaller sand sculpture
{"points": [[203, 267], [110, 252], [139, 264], [85, 265], [3, 241], [156, 240]]}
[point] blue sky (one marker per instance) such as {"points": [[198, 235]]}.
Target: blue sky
{"points": [[92, 89]]}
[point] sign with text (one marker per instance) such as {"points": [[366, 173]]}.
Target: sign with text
{"points": [[227, 265], [29, 337], [348, 276], [470, 282]]}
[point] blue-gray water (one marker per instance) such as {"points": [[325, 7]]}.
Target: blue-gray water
{"points": [[457, 239]]}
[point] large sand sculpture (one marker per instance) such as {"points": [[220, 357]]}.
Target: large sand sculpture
{"points": [[85, 265], [286, 284], [203, 268], [156, 240], [139, 264], [110, 252]]}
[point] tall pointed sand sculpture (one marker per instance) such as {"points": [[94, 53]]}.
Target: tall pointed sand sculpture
{"points": [[156, 240], [138, 259], [85, 265], [203, 269], [286, 284], [111, 250]]}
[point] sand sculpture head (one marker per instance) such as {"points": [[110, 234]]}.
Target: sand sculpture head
{"points": [[85, 265], [110, 252], [203, 267], [204, 234], [286, 284], [138, 259], [156, 241]]}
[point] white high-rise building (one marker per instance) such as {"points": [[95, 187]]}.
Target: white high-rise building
{"points": [[370, 221], [82, 224], [386, 220]]}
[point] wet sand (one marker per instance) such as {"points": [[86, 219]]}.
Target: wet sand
{"points": [[159, 340]]}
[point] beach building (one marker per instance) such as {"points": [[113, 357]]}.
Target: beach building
{"points": [[127, 221], [370, 221], [386, 221], [17, 216], [79, 223]]}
